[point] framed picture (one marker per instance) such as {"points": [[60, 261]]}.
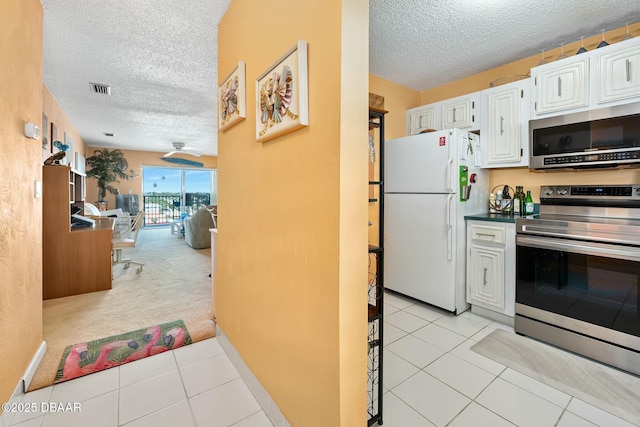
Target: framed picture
{"points": [[69, 143], [282, 100], [45, 134], [80, 164], [54, 138], [232, 103]]}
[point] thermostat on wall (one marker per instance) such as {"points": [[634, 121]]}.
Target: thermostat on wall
{"points": [[31, 131]]}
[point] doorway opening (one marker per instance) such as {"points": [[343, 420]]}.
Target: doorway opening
{"points": [[171, 193]]}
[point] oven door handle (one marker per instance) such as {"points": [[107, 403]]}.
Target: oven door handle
{"points": [[575, 246]]}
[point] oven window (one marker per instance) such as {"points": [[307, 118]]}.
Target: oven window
{"points": [[598, 290]]}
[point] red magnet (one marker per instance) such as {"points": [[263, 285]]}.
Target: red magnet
{"points": [[473, 178]]}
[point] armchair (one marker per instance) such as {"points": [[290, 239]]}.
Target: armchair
{"points": [[196, 229]]}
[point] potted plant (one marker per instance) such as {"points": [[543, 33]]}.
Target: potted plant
{"points": [[107, 166]]}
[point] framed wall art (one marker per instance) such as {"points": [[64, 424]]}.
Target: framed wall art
{"points": [[232, 103], [45, 134], [69, 143], [282, 95], [54, 138]]}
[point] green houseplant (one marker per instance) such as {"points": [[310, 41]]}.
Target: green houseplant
{"points": [[107, 166]]}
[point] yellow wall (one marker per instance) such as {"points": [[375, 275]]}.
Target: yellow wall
{"points": [[397, 100], [481, 81], [292, 266], [20, 212], [137, 159], [55, 114], [523, 176]]}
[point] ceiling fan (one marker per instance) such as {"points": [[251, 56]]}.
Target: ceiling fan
{"points": [[180, 148]]}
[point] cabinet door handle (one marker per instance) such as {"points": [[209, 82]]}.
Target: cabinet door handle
{"points": [[420, 121], [559, 86], [628, 66], [454, 114], [501, 125], [493, 236], [484, 280]]}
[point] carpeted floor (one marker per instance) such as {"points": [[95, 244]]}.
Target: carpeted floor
{"points": [[174, 284], [600, 385]]}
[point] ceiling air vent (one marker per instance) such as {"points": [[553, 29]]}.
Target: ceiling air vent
{"points": [[100, 88]]}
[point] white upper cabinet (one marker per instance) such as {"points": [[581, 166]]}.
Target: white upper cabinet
{"points": [[504, 125], [561, 86], [619, 72], [421, 118], [460, 112]]}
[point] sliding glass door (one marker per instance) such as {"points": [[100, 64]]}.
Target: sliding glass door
{"points": [[174, 193]]}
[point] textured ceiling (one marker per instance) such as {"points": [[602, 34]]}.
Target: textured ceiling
{"points": [[160, 56], [422, 44]]}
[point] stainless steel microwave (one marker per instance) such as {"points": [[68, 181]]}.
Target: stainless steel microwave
{"points": [[602, 138]]}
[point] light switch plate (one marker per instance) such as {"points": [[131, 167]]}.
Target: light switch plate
{"points": [[37, 189]]}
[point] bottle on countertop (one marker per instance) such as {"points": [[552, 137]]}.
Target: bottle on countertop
{"points": [[507, 205], [499, 201], [518, 201], [528, 204], [492, 203]]}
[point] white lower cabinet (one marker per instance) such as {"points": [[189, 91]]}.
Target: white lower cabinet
{"points": [[491, 266]]}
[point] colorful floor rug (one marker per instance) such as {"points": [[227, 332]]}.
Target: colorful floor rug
{"points": [[93, 356]]}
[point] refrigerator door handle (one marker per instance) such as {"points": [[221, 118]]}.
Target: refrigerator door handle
{"points": [[449, 229], [449, 169]]}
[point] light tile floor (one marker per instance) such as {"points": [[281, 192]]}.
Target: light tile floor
{"points": [[195, 385], [431, 378]]}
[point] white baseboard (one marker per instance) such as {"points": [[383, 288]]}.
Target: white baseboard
{"points": [[33, 366], [262, 396], [23, 383]]}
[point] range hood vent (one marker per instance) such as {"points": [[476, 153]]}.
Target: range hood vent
{"points": [[100, 88]]}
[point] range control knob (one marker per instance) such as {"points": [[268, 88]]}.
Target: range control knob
{"points": [[548, 191], [562, 191]]}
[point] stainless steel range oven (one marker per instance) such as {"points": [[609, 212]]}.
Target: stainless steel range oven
{"points": [[578, 272]]}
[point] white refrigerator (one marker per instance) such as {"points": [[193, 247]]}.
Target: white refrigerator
{"points": [[425, 177]]}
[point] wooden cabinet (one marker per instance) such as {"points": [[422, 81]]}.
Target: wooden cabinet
{"points": [[460, 112], [599, 78], [505, 125], [561, 86], [422, 118], [619, 72], [74, 261], [491, 266]]}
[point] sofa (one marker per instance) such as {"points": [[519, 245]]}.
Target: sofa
{"points": [[196, 229]]}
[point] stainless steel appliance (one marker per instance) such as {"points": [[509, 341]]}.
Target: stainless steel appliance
{"points": [[578, 272], [603, 138], [432, 181]]}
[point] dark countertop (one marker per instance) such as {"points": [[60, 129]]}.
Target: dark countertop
{"points": [[494, 217]]}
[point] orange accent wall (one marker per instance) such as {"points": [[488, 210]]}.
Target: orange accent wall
{"points": [[523, 176], [136, 160], [20, 212], [55, 114], [397, 100], [291, 280]]}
